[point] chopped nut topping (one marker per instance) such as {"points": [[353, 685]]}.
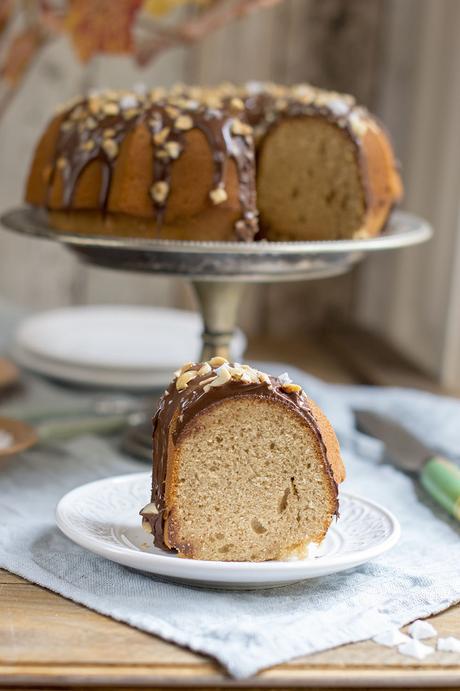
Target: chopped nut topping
{"points": [[173, 149], [183, 122], [291, 388], [264, 378], [217, 361], [250, 377], [185, 367], [149, 510], [358, 125], [172, 112], [111, 109], [61, 162], [236, 104], [94, 105], [109, 133], [281, 104], [77, 113], [205, 383], [204, 369], [130, 113], [285, 378], [67, 125], [88, 145], [223, 376], [90, 123], [161, 136], [110, 147], [159, 191], [161, 153], [236, 372], [146, 526], [218, 196], [241, 128], [128, 101], [184, 379], [212, 101]]}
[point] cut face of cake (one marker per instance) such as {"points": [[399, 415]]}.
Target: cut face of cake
{"points": [[245, 466]]}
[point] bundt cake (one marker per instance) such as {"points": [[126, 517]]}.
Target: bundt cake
{"points": [[245, 466], [232, 163]]}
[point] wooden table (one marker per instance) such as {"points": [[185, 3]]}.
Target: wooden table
{"points": [[47, 641]]}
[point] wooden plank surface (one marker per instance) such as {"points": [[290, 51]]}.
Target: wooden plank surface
{"points": [[48, 642]]}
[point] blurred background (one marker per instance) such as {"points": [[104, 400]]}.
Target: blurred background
{"points": [[396, 318]]}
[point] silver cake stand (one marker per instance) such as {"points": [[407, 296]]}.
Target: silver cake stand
{"points": [[219, 271]]}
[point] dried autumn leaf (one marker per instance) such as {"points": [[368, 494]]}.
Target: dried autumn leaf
{"points": [[20, 53], [101, 26], [6, 9], [158, 8]]}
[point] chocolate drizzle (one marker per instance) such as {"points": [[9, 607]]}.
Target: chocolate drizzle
{"points": [[178, 408], [95, 128]]}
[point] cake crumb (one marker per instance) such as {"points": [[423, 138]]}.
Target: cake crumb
{"points": [[414, 648], [449, 645], [391, 638], [421, 629]]}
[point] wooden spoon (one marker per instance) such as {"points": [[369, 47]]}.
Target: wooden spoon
{"points": [[24, 436], [9, 374]]}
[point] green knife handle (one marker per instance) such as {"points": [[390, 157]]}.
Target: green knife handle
{"points": [[62, 430], [441, 479]]}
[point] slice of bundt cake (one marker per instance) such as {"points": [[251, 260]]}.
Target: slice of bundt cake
{"points": [[245, 466], [325, 166], [181, 164]]}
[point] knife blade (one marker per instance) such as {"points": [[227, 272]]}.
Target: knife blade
{"points": [[403, 448], [439, 476]]}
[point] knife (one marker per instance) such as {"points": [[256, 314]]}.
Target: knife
{"points": [[439, 476]]}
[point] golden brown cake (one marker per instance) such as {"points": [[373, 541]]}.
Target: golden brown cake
{"points": [[245, 466], [202, 164]]}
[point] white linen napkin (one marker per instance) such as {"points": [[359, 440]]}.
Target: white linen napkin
{"points": [[248, 631]]}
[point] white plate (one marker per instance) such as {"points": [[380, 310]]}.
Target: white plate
{"points": [[103, 517], [117, 337], [92, 377], [131, 347]]}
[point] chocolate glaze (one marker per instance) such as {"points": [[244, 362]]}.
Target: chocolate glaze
{"points": [[178, 408]]}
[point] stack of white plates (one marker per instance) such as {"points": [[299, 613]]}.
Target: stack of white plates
{"points": [[112, 346]]}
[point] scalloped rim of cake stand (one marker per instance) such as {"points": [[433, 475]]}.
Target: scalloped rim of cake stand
{"points": [[403, 229]]}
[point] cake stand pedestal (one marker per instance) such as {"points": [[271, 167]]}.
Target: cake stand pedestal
{"points": [[220, 271]]}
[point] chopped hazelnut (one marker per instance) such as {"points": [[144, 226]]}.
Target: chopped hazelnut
{"points": [[218, 195], [159, 191]]}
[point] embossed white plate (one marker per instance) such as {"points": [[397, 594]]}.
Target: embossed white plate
{"points": [[103, 517]]}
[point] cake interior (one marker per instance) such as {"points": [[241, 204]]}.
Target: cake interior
{"points": [[308, 182], [249, 484]]}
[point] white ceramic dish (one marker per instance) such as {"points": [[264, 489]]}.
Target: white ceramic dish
{"points": [[103, 517], [112, 346]]}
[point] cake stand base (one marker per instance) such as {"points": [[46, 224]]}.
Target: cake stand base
{"points": [[219, 303]]}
